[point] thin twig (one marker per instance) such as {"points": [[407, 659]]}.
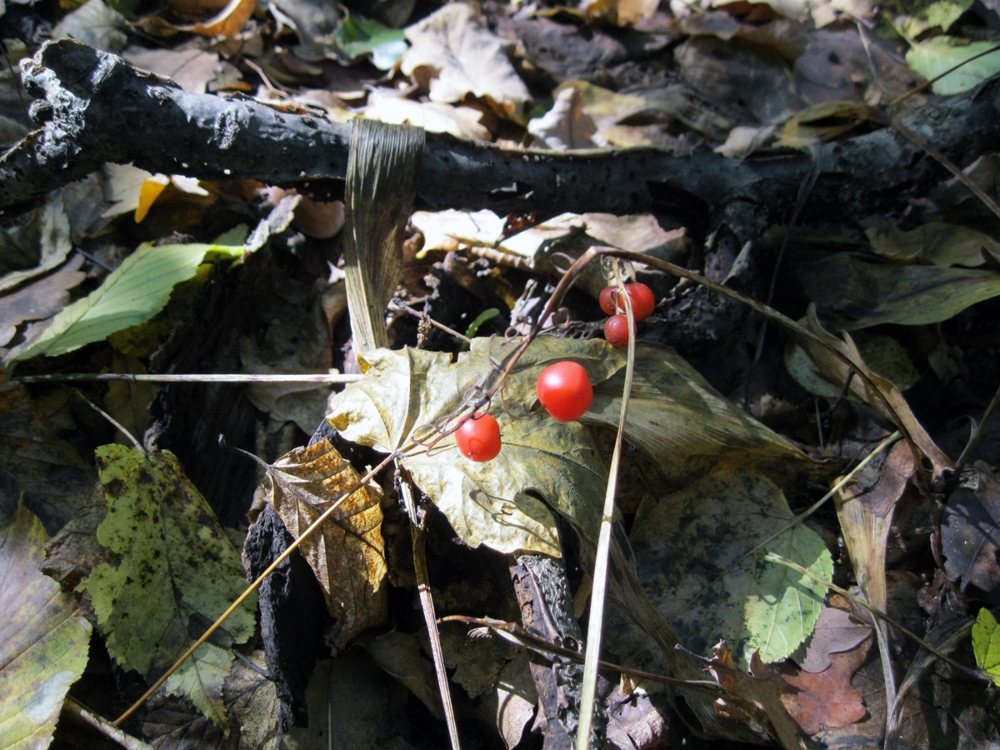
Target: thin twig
{"points": [[194, 378], [514, 633]]}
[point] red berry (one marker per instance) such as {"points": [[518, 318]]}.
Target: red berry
{"points": [[609, 295], [479, 438], [616, 330], [643, 300], [565, 390]]}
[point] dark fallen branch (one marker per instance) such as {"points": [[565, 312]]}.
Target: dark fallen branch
{"points": [[95, 108]]}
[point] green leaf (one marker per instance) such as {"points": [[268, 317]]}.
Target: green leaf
{"points": [[934, 56], [986, 644], [694, 547], [358, 37], [494, 503], [176, 569], [912, 18], [43, 639], [136, 291], [853, 293]]}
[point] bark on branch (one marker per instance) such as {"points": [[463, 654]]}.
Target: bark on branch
{"points": [[95, 108]]}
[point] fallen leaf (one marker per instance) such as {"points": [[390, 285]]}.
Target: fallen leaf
{"points": [[191, 69], [359, 37], [435, 117], [55, 481], [132, 294], [694, 550], [405, 393], [44, 641], [935, 242], [97, 24], [822, 122], [887, 399], [565, 126], [399, 656], [970, 533], [459, 56], [826, 699], [986, 644], [932, 57], [42, 298], [869, 294], [38, 246], [348, 554], [175, 562], [913, 20], [620, 12], [756, 696], [169, 723], [227, 22], [516, 698], [835, 632], [685, 425]]}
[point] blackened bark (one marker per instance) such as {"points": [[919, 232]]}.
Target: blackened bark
{"points": [[96, 109]]}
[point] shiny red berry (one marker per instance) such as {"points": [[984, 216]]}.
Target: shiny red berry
{"points": [[643, 300], [479, 438], [608, 298], [616, 330], [565, 390]]}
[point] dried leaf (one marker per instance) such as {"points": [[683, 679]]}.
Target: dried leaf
{"points": [[565, 126], [826, 699], [44, 642], [935, 242], [191, 69], [891, 403], [496, 503], [175, 568], [434, 117], [460, 56], [53, 477], [835, 632], [398, 654], [870, 294], [969, 533], [348, 553], [41, 298], [756, 696]]}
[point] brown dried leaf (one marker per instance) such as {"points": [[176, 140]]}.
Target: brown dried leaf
{"points": [[891, 404], [755, 698], [348, 553], [826, 699], [969, 533], [835, 632]]}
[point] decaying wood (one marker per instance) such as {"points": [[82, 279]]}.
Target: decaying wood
{"points": [[95, 108], [547, 611]]}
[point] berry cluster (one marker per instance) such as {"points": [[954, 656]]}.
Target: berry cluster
{"points": [[616, 327], [564, 390]]}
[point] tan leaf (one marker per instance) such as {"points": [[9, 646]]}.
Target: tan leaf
{"points": [[826, 699], [460, 56], [348, 553]]}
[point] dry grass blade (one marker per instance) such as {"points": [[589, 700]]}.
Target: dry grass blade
{"points": [[381, 183], [600, 577]]}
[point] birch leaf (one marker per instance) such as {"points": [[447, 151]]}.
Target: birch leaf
{"points": [[177, 568]]}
